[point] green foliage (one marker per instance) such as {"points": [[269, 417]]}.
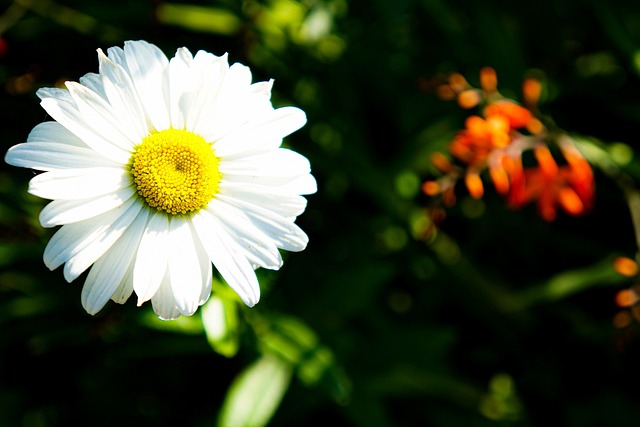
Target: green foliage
{"points": [[255, 394], [391, 316]]}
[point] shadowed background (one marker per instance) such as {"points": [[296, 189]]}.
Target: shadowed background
{"points": [[496, 318]]}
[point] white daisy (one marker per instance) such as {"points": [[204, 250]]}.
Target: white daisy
{"points": [[157, 168]]}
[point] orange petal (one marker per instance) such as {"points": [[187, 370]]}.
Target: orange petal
{"points": [[488, 79], [498, 123], [625, 266], [449, 197], [546, 206], [476, 126], [531, 90], [469, 98], [547, 212], [474, 184], [431, 188], [500, 179], [458, 82], [545, 160], [517, 115], [626, 298], [535, 126], [570, 201], [440, 161], [446, 93]]}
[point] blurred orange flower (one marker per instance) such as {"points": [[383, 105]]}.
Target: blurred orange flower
{"points": [[570, 186], [495, 141]]}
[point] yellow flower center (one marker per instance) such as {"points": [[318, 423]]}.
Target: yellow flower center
{"points": [[175, 171]]}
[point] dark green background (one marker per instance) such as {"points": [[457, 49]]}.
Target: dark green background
{"points": [[463, 329]]}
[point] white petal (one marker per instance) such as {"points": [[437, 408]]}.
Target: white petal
{"points": [[180, 83], [257, 247], [57, 93], [284, 204], [68, 116], [236, 104], [125, 288], [206, 270], [208, 72], [73, 184], [227, 257], [264, 132], [93, 81], [54, 132], [60, 212], [108, 273], [152, 257], [184, 267], [116, 54], [147, 65], [263, 88], [279, 163], [122, 96], [163, 302], [48, 156], [304, 184], [73, 238], [284, 233], [97, 112], [82, 260], [238, 78]]}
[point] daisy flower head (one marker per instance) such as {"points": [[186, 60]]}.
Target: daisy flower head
{"points": [[156, 169]]}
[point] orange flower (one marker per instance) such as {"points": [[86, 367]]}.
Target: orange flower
{"points": [[488, 80], [625, 266], [474, 184], [531, 90], [480, 137], [569, 186], [505, 170], [517, 115], [469, 98], [495, 142]]}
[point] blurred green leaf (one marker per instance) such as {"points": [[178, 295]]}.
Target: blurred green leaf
{"points": [[256, 393], [291, 339], [568, 283], [199, 18], [220, 320]]}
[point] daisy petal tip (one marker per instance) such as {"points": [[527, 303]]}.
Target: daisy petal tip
{"points": [[71, 272], [167, 318], [188, 311], [46, 221], [9, 157], [91, 308], [250, 300], [49, 263], [298, 116]]}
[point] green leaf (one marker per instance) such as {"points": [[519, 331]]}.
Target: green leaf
{"points": [[199, 18], [291, 339], [220, 320], [256, 393], [568, 283]]}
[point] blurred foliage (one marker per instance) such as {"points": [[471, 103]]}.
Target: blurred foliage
{"points": [[491, 317]]}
